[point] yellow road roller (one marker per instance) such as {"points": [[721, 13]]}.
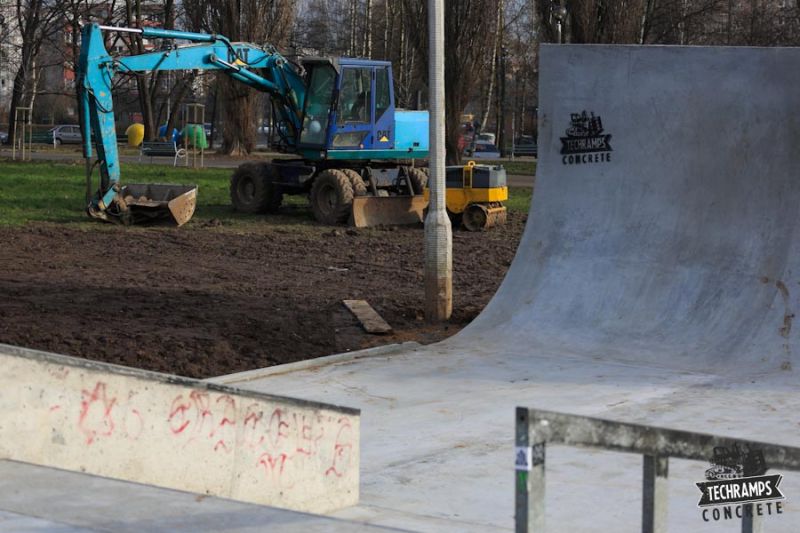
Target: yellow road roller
{"points": [[475, 195]]}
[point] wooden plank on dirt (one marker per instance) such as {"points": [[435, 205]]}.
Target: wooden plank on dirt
{"points": [[370, 320]]}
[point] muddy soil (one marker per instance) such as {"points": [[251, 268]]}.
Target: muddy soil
{"points": [[206, 300]]}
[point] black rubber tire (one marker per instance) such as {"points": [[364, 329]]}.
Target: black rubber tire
{"points": [[331, 197], [418, 178], [356, 181], [252, 189]]}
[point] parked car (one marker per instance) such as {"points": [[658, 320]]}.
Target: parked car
{"points": [[66, 134], [484, 150], [3, 137], [486, 137]]}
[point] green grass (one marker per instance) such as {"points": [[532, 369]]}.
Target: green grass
{"points": [[55, 192], [519, 199], [523, 167]]}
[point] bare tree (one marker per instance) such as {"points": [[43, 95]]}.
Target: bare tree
{"points": [[367, 49], [256, 21], [160, 93], [37, 20], [468, 37], [495, 51]]}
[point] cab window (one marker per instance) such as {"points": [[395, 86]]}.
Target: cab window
{"points": [[355, 96], [318, 105], [382, 96]]}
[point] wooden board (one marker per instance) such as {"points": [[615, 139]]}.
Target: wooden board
{"points": [[370, 320]]}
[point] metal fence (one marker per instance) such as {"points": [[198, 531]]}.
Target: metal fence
{"points": [[522, 150], [535, 429]]}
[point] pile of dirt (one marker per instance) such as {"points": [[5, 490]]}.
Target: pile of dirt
{"points": [[207, 300]]}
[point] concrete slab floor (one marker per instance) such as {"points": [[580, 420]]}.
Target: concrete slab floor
{"points": [[437, 449], [34, 498]]}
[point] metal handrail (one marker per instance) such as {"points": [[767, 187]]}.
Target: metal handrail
{"points": [[536, 428]]}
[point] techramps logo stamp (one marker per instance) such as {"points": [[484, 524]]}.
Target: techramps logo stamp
{"points": [[737, 477], [586, 142]]}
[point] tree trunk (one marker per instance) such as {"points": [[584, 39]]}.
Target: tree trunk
{"points": [[368, 31], [238, 108], [386, 34], [487, 106], [452, 119], [16, 100], [352, 49]]}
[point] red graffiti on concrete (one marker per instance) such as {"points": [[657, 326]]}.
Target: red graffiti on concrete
{"points": [[192, 413], [342, 449], [281, 441], [133, 423], [95, 419], [224, 433], [251, 438], [285, 445]]}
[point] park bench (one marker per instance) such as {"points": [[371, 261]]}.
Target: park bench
{"points": [[153, 149]]}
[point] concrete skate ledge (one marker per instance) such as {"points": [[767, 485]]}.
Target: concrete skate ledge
{"points": [[177, 432]]}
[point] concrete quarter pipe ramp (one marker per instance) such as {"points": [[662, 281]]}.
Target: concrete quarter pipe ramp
{"points": [[656, 283], [663, 228]]}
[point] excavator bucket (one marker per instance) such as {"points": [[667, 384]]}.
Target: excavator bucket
{"points": [[170, 204], [387, 210]]}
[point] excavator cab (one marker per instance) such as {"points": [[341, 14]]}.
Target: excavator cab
{"points": [[351, 125], [350, 114]]}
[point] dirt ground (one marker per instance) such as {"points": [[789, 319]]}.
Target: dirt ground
{"points": [[206, 300]]}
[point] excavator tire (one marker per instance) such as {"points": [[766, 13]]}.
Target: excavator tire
{"points": [[357, 182], [418, 178], [252, 189], [332, 197]]}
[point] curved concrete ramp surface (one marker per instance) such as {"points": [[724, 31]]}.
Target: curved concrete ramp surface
{"points": [[656, 283], [676, 245]]}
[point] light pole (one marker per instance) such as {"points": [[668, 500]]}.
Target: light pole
{"points": [[561, 16], [438, 232]]}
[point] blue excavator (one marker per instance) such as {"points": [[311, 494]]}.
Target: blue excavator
{"points": [[355, 151]]}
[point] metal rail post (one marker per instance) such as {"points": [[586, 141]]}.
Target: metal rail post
{"points": [[654, 494], [655, 444], [751, 522], [529, 477]]}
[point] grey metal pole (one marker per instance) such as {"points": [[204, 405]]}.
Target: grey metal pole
{"points": [[438, 232], [654, 494]]}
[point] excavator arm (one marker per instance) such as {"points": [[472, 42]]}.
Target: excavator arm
{"points": [[262, 68]]}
